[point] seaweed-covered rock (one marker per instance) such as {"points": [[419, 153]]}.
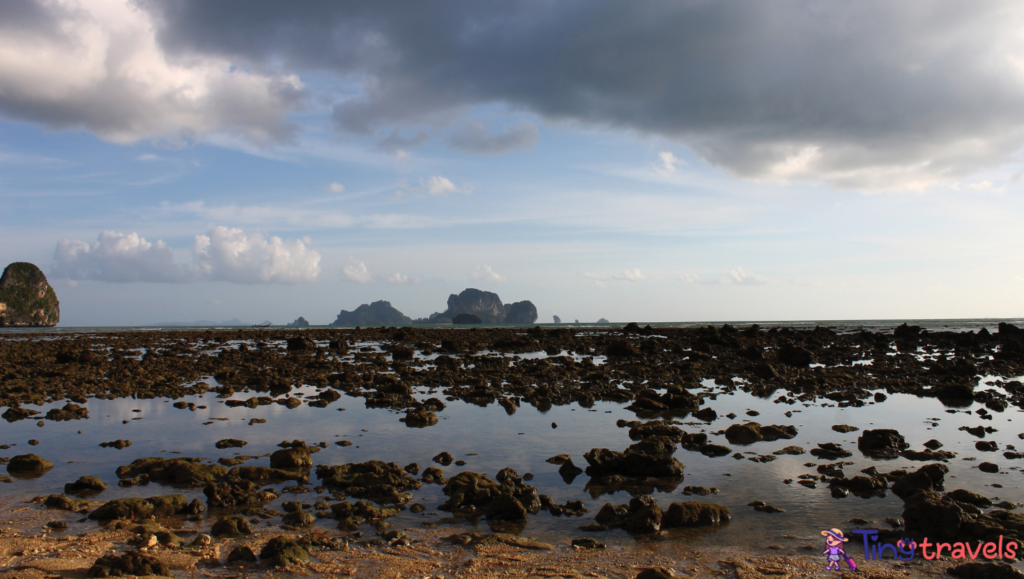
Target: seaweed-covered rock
{"points": [[69, 411], [236, 492], [188, 472], [63, 503], [28, 463], [281, 550], [85, 486], [508, 499], [656, 428], [298, 520], [261, 474], [375, 480], [296, 457], [420, 418], [695, 514], [231, 527], [26, 298], [230, 443], [130, 564], [139, 508]]}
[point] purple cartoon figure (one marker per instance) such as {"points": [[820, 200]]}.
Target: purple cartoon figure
{"points": [[834, 552]]}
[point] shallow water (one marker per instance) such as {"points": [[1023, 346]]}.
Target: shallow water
{"points": [[488, 439]]}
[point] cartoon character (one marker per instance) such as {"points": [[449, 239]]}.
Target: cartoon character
{"points": [[834, 552]]}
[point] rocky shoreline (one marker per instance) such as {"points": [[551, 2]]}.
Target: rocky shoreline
{"points": [[660, 375]]}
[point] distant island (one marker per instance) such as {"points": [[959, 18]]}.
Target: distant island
{"points": [[472, 306], [26, 298], [380, 313]]}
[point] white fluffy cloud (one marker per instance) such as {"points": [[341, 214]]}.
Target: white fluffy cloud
{"points": [[117, 257], [223, 254], [234, 255], [336, 187], [357, 272], [98, 65], [668, 163], [440, 186], [485, 273]]}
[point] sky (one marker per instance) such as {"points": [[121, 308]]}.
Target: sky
{"points": [[652, 162]]}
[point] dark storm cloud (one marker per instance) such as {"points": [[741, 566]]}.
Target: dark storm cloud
{"points": [[473, 137], [859, 93]]}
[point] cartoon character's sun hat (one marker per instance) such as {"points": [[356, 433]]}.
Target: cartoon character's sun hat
{"points": [[835, 534]]}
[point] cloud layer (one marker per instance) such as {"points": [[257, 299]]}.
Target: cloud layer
{"points": [[223, 254], [97, 65], [864, 94]]}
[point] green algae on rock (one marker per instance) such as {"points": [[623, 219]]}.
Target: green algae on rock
{"points": [[26, 298]]}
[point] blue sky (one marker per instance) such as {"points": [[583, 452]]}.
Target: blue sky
{"points": [[669, 162]]}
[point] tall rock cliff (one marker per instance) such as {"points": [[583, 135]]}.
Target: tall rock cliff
{"points": [[523, 312], [484, 305], [26, 298]]}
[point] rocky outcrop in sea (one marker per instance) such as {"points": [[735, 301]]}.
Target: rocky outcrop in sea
{"points": [[26, 298], [379, 313]]}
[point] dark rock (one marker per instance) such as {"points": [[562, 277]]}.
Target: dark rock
{"points": [[301, 344], [656, 428], [705, 414], [118, 444], [569, 471], [587, 542], [300, 322], [695, 514], [26, 298], [986, 445], [132, 563], [654, 573], [85, 486], [230, 443], [830, 451], [927, 478], [231, 527], [988, 467], [933, 444], [444, 459], [631, 464], [751, 432], [242, 553], [790, 450], [795, 356], [844, 428], [881, 443]]}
